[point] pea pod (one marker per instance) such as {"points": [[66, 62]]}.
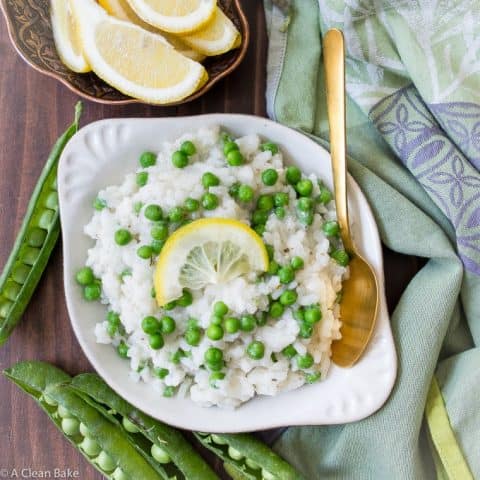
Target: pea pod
{"points": [[247, 458], [185, 461], [102, 442], [35, 240]]}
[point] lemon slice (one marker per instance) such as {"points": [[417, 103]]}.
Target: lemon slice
{"points": [[175, 16], [207, 251], [136, 62], [65, 36], [121, 9], [218, 36]]}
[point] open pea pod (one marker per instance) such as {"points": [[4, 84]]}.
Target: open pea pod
{"points": [[185, 462], [247, 458], [35, 240], [101, 442]]}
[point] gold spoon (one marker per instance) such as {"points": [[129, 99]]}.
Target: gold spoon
{"points": [[359, 304]]}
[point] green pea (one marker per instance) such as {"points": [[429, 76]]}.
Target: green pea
{"points": [[209, 201], [216, 319], [169, 392], [245, 193], [90, 447], [270, 251], [52, 201], [176, 214], [156, 341], [84, 431], [112, 329], [225, 137], [305, 204], [297, 263], [220, 309], [341, 257], [266, 475], [215, 377], [179, 159], [30, 255], [331, 228], [313, 315], [286, 274], [20, 273], [150, 325], [193, 336], [85, 276], [288, 297], [256, 350], [306, 330], [215, 332], [235, 158], [92, 292], [12, 290], [63, 412], [293, 175], [142, 178], [118, 474], [312, 377], [289, 351], [209, 179], [49, 400], [192, 205], [273, 267], [231, 325], [46, 219], [122, 237], [259, 217], [153, 212], [247, 323], [280, 212], [98, 204], [213, 355], [229, 146], [259, 229], [262, 319], [36, 237], [70, 426], [188, 148], [281, 199], [269, 146], [5, 307], [304, 187], [113, 318], [122, 349], [161, 372], [148, 159], [145, 252], [276, 310], [129, 426], [168, 325], [252, 464], [157, 246], [265, 202], [269, 177], [159, 454], [306, 218], [305, 361], [218, 440], [105, 462], [235, 454], [325, 196], [186, 299], [234, 189], [299, 315]]}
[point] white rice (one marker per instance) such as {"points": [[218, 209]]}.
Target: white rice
{"points": [[319, 282]]}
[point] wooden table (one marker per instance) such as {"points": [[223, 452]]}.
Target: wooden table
{"points": [[35, 110]]}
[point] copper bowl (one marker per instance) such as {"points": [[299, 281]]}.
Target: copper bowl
{"points": [[28, 23]]}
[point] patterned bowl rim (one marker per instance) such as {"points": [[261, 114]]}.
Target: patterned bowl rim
{"points": [[241, 52]]}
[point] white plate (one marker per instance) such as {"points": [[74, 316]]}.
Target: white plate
{"points": [[100, 154]]}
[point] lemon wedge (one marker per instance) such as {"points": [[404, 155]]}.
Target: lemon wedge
{"points": [[121, 9], [136, 62], [65, 36], [218, 36], [207, 251], [175, 16]]}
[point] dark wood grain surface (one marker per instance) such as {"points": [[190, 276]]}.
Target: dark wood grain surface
{"points": [[34, 111]]}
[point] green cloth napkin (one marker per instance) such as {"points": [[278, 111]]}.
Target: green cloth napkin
{"points": [[413, 132]]}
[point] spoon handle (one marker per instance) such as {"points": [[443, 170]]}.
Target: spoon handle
{"points": [[334, 59]]}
